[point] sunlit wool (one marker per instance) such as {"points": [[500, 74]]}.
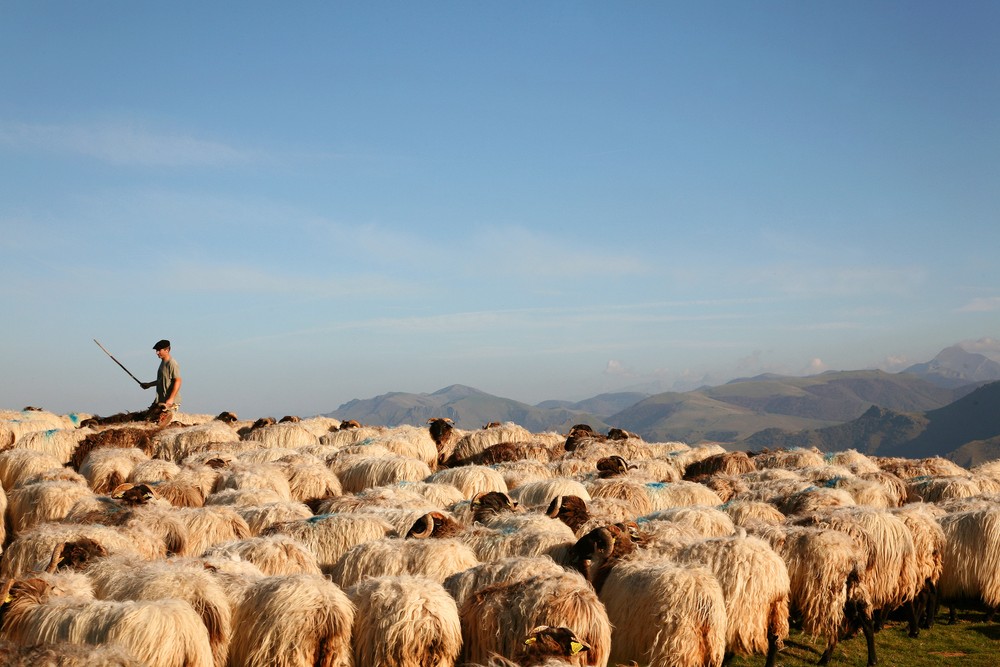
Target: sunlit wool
{"points": [[330, 536], [495, 619], [273, 554], [362, 473], [541, 492], [32, 550], [121, 578], [404, 621], [665, 615], [755, 585], [971, 563], [161, 633], [107, 468], [470, 480], [60, 443], [515, 568], [298, 620]]}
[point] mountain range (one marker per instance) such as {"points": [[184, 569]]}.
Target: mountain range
{"points": [[933, 408]]}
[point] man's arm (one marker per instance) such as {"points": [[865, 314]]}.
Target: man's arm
{"points": [[147, 385]]}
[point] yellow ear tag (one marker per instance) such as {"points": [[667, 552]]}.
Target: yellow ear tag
{"points": [[10, 598], [530, 640], [575, 647]]}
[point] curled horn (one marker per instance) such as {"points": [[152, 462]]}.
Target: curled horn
{"points": [[423, 527], [554, 507], [56, 556]]}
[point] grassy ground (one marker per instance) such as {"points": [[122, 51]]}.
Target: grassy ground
{"points": [[970, 642]]}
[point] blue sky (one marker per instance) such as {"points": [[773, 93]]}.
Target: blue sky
{"points": [[324, 201]]}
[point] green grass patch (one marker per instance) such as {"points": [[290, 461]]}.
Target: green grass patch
{"points": [[970, 642]]}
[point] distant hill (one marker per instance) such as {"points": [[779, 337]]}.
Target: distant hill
{"points": [[967, 431], [736, 410], [954, 367], [753, 412], [603, 405], [469, 408]]}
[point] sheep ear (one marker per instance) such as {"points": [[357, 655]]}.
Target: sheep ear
{"points": [[477, 498], [554, 507], [5, 590], [120, 489]]}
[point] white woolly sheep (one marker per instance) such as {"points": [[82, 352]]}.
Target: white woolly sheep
{"points": [[329, 536], [120, 578], [107, 468], [504, 570], [175, 444], [665, 615], [496, 619], [704, 520], [32, 550], [542, 492], [475, 442], [161, 633], [260, 517], [435, 559], [360, 473], [755, 584], [971, 563], [286, 435], [471, 480], [17, 465], [33, 504], [60, 443], [297, 620], [272, 554], [404, 621]]}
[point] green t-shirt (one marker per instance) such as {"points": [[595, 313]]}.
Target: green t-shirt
{"points": [[164, 378]]}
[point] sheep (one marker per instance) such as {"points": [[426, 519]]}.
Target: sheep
{"points": [[405, 495], [367, 472], [571, 510], [812, 499], [706, 521], [634, 492], [891, 577], [32, 550], [119, 578], [260, 517], [929, 543], [756, 587], [107, 468], [273, 554], [521, 473], [971, 561], [664, 614], [131, 512], [727, 463], [289, 435], [434, 559], [474, 442], [329, 536], [17, 465], [36, 503], [788, 458], [16, 425], [470, 480], [496, 618], [542, 492], [65, 654], [175, 444], [297, 620], [404, 621], [743, 512], [442, 432], [462, 585], [538, 536], [853, 459], [60, 443], [310, 483], [211, 525], [824, 573], [936, 489], [160, 633]]}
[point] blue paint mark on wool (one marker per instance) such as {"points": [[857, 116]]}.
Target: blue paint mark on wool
{"points": [[833, 483], [51, 432], [657, 485], [318, 518]]}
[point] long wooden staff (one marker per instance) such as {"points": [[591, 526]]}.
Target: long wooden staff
{"points": [[119, 363]]}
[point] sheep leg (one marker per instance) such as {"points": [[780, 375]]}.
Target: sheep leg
{"points": [[952, 613], [772, 649], [914, 608], [990, 613], [869, 629], [825, 658], [932, 606]]}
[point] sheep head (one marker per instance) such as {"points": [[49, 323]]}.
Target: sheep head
{"points": [[547, 642], [490, 504], [434, 524], [613, 466], [571, 510]]}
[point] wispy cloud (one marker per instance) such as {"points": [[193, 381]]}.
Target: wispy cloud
{"points": [[985, 304], [123, 144]]}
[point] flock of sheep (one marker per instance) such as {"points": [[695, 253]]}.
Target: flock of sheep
{"points": [[214, 542]]}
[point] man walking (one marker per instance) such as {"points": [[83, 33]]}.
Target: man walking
{"points": [[168, 378]]}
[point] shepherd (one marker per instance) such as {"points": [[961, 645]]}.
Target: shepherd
{"points": [[168, 379]]}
